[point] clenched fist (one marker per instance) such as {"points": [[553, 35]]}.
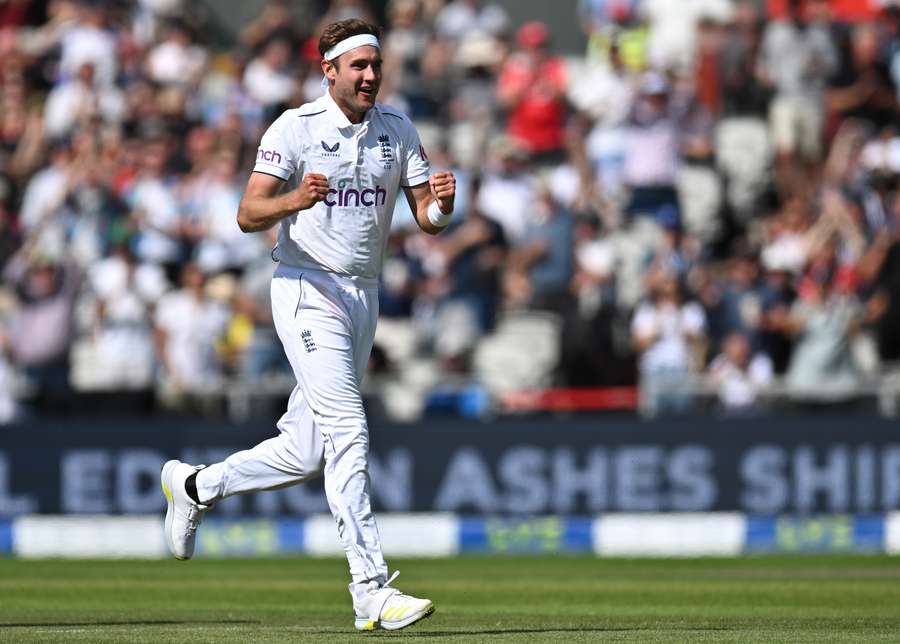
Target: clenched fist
{"points": [[312, 189], [443, 189]]}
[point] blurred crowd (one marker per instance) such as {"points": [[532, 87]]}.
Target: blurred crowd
{"points": [[708, 194]]}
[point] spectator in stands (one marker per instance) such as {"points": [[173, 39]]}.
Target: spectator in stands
{"points": [[699, 185], [155, 210], [652, 146], [263, 355], [41, 328], [475, 250], [90, 207], [269, 79], [797, 57], [607, 23], [532, 89], [605, 98], [150, 16], [541, 266], [785, 242], [734, 304], [740, 378], [862, 87], [406, 52], [245, 348], [116, 353], [876, 179], [595, 261], [399, 277], [461, 17], [473, 105], [45, 194], [777, 298], [74, 102], [177, 60], [858, 167], [592, 355], [743, 145], [89, 40], [824, 320], [882, 263], [274, 20], [507, 191], [673, 30], [668, 334], [187, 323], [220, 244]]}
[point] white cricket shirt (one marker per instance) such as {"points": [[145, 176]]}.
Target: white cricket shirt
{"points": [[365, 164]]}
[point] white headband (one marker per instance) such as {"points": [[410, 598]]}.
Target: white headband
{"points": [[351, 43]]}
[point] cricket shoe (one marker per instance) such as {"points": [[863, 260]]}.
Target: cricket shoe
{"points": [[386, 607], [183, 514]]}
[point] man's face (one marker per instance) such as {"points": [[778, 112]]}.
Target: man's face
{"points": [[357, 78], [737, 349]]}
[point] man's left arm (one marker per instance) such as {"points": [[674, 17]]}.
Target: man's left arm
{"points": [[432, 202], [430, 196]]}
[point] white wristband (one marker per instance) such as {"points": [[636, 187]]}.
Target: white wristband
{"points": [[436, 217]]}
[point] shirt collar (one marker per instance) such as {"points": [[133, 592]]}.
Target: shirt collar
{"points": [[337, 115]]}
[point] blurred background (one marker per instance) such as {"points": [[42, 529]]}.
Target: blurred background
{"points": [[672, 281]]}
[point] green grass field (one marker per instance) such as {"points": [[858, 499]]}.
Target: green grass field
{"points": [[803, 599]]}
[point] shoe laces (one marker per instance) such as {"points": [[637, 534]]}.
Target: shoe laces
{"points": [[195, 512], [391, 591], [194, 518]]}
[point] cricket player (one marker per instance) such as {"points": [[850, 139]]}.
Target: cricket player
{"points": [[327, 173]]}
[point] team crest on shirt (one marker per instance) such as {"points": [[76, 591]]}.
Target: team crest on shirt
{"points": [[308, 343], [331, 150], [387, 153]]}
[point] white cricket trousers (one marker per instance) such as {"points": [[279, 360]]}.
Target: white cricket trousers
{"points": [[326, 323]]}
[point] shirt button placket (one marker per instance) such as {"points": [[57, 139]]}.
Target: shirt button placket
{"points": [[360, 143]]}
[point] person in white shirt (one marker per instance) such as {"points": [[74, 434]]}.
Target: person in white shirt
{"points": [[73, 102], [461, 17], [222, 245], [328, 173], [47, 191], [268, 77], [121, 335], [177, 60], [89, 40], [668, 333], [186, 324], [508, 192], [155, 209], [740, 378]]}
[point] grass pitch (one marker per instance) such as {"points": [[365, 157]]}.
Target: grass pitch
{"points": [[563, 599]]}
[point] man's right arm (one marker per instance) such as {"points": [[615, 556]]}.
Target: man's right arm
{"points": [[262, 207]]}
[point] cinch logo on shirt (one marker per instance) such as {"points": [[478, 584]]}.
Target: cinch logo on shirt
{"points": [[268, 155], [347, 197]]}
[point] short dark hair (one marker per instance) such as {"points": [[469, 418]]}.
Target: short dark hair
{"points": [[338, 31]]}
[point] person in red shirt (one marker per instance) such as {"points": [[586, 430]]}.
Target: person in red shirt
{"points": [[532, 89]]}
